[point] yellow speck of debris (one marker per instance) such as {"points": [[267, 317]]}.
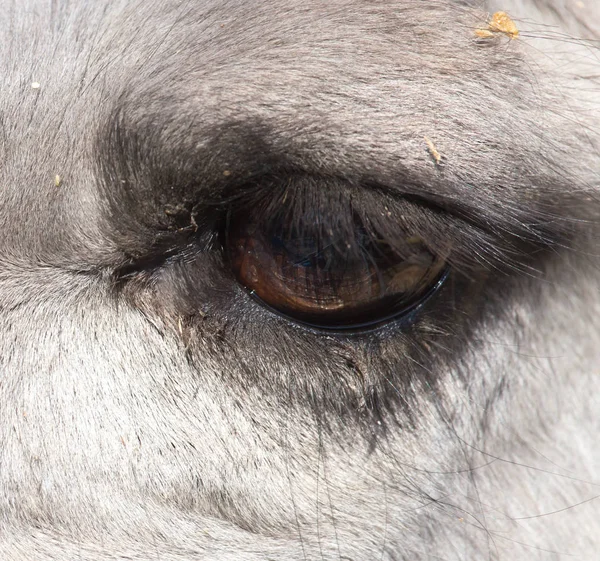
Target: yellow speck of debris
{"points": [[226, 173], [500, 22], [433, 151], [57, 180], [35, 85]]}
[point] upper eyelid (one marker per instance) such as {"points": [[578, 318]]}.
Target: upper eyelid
{"points": [[224, 164]]}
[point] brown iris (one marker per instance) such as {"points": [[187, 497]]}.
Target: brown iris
{"points": [[328, 280]]}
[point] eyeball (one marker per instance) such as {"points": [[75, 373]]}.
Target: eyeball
{"points": [[327, 279]]}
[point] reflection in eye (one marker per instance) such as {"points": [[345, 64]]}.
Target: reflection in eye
{"points": [[330, 280]]}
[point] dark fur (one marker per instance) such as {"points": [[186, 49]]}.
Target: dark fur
{"points": [[150, 409]]}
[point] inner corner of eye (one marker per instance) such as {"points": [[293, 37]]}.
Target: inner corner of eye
{"points": [[332, 273]]}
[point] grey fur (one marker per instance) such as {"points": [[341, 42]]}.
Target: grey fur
{"points": [[164, 415]]}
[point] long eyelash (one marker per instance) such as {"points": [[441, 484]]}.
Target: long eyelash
{"points": [[331, 211]]}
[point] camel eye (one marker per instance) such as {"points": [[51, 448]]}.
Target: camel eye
{"points": [[328, 276]]}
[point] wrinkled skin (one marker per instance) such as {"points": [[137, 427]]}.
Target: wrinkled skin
{"points": [[150, 409]]}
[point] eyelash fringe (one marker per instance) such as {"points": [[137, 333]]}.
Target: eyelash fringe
{"points": [[332, 209]]}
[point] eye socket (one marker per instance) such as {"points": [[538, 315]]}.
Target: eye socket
{"points": [[329, 276]]}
